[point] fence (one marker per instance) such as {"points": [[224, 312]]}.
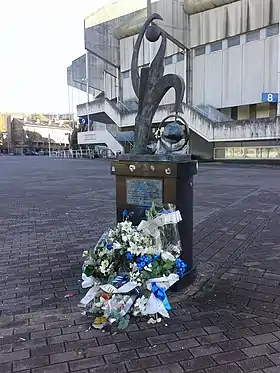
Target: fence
{"points": [[82, 153]]}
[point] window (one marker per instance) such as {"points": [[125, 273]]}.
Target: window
{"points": [[199, 51], [253, 35], [272, 30], [234, 112], [126, 74], [168, 60], [180, 57], [232, 42], [252, 111], [216, 46]]}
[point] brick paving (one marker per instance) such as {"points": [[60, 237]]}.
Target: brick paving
{"points": [[50, 210]]}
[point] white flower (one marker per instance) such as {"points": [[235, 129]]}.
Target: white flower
{"points": [[140, 305], [134, 248], [117, 246], [168, 256], [85, 253], [104, 266], [124, 238]]}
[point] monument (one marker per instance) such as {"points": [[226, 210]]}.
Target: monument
{"points": [[163, 173]]}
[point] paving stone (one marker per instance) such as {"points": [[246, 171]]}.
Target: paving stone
{"points": [[174, 356], [131, 345], [163, 339], [255, 363], [32, 363], [65, 356], [91, 362], [56, 368], [119, 357], [191, 333], [227, 368], [272, 370], [153, 350], [258, 350], [262, 338], [111, 368], [170, 368], [275, 358], [213, 338], [183, 344], [142, 363], [234, 344], [205, 350], [198, 363], [6, 368]]}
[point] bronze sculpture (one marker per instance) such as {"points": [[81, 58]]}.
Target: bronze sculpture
{"points": [[150, 87]]}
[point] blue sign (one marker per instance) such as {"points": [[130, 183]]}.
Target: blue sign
{"points": [[270, 97], [83, 120]]}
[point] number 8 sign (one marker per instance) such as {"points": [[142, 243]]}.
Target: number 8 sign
{"points": [[270, 97]]}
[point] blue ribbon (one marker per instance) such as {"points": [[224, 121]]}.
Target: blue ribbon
{"points": [[120, 280], [159, 293]]}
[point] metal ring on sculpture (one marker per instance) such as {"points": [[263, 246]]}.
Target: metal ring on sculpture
{"points": [[181, 119]]}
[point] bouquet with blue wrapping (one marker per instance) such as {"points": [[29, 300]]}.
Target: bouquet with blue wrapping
{"points": [[130, 269]]}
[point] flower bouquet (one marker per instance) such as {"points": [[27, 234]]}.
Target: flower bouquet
{"points": [[130, 269]]}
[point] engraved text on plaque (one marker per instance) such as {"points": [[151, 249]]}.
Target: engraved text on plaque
{"points": [[142, 192]]}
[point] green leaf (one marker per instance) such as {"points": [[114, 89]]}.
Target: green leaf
{"points": [[88, 271]]}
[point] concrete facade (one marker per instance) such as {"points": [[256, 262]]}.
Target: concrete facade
{"points": [[227, 52]]}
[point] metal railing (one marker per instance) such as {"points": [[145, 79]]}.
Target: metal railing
{"points": [[82, 153]]}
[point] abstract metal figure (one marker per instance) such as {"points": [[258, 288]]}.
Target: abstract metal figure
{"points": [[151, 86], [173, 137]]}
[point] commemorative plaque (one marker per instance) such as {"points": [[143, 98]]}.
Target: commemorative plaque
{"points": [[143, 192]]}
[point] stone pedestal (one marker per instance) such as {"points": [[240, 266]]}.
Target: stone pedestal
{"points": [[142, 179]]}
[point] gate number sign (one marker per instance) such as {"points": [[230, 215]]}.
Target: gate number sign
{"points": [[270, 97]]}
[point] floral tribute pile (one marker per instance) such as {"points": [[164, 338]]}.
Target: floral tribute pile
{"points": [[130, 269]]}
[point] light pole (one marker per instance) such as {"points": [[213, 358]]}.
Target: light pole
{"points": [[149, 13], [149, 8], [87, 81], [49, 140]]}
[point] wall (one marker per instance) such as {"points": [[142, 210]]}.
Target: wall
{"points": [[78, 85], [100, 137], [200, 147], [196, 6], [58, 135], [258, 129], [237, 75], [232, 19]]}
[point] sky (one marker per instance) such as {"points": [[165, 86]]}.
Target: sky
{"points": [[38, 40]]}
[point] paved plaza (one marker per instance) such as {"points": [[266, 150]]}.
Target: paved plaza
{"points": [[51, 210]]}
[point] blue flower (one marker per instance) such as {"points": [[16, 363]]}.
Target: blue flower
{"points": [[109, 246], [124, 213], [155, 257], [180, 267], [128, 256], [143, 261]]}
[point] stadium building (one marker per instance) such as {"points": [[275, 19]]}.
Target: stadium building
{"points": [[228, 53]]}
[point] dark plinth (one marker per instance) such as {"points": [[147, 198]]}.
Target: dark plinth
{"points": [[167, 179]]}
